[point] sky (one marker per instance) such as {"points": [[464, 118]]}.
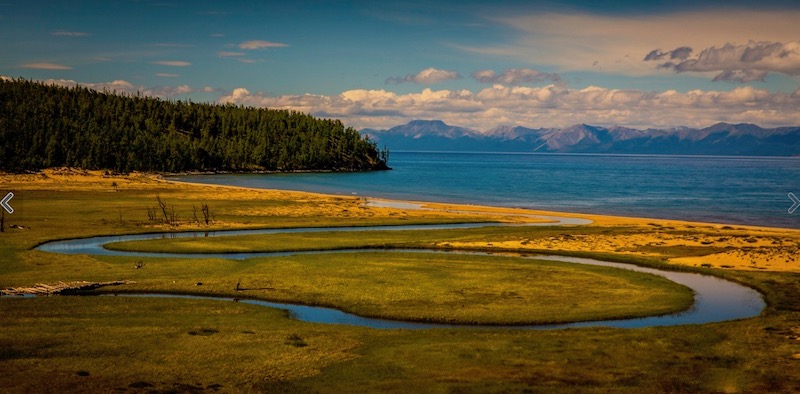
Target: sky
{"points": [[378, 64]]}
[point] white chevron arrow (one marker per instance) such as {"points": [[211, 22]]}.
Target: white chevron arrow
{"points": [[796, 202], [5, 200]]}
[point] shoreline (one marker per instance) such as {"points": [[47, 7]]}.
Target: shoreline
{"points": [[598, 219], [719, 245]]}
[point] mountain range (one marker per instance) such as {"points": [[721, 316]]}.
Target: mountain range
{"points": [[720, 139]]}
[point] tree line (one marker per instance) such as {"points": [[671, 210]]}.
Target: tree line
{"points": [[51, 126]]}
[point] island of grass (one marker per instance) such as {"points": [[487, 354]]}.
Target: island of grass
{"points": [[424, 287]]}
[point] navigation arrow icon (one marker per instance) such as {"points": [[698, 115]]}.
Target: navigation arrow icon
{"points": [[5, 200], [796, 202]]}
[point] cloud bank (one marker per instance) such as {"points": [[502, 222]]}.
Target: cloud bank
{"points": [[426, 76], [553, 105]]}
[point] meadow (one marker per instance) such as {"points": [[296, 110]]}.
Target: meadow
{"points": [[124, 344]]}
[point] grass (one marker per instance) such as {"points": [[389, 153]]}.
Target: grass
{"points": [[123, 343], [106, 344], [420, 286], [165, 343]]}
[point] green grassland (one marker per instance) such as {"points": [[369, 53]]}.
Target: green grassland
{"points": [[106, 344], [427, 287]]}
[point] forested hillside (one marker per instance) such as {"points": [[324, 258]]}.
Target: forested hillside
{"points": [[48, 126]]}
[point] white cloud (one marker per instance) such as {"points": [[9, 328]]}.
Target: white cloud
{"points": [[515, 76], [167, 75], [426, 76], [5, 78], [229, 54], [117, 85], [618, 43], [69, 33], [46, 66], [738, 63], [553, 105], [177, 90], [173, 63], [260, 44]]}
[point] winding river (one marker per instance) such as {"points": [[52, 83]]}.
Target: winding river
{"points": [[716, 299]]}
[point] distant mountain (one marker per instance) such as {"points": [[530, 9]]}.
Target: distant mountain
{"points": [[426, 135], [720, 139]]}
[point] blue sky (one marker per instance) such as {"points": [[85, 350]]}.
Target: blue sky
{"points": [[474, 64]]}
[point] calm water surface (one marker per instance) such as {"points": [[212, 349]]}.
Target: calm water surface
{"points": [[737, 190]]}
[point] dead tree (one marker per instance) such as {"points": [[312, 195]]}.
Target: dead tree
{"points": [[173, 217], [206, 213], [163, 205]]}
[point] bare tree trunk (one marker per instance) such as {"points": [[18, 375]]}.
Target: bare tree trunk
{"points": [[206, 213], [173, 219], [163, 205]]}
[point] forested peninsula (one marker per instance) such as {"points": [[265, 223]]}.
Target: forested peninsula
{"points": [[51, 126]]}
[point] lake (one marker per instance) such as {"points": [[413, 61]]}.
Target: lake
{"points": [[718, 189]]}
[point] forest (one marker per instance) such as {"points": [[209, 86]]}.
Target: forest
{"points": [[45, 126]]}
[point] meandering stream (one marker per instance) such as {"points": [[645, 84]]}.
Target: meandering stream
{"points": [[715, 299]]}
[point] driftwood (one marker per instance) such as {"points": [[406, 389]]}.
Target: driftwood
{"points": [[60, 287]]}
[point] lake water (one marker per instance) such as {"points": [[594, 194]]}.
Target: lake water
{"points": [[735, 190]]}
